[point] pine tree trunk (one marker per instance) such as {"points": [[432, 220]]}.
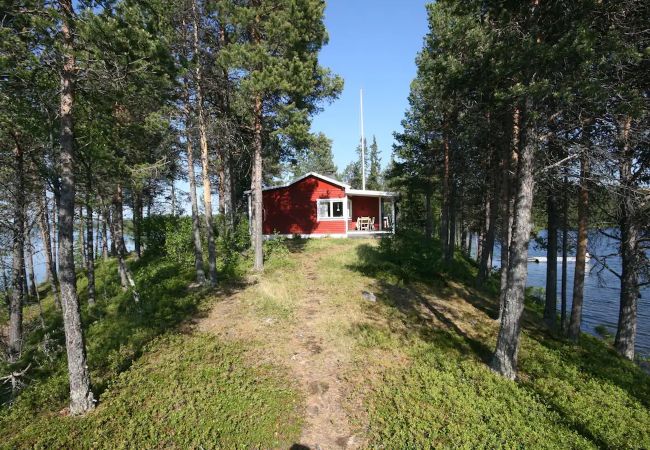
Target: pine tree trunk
{"points": [[205, 160], [627, 318], [90, 254], [104, 230], [550, 305], [565, 252], [44, 225], [196, 226], [112, 228], [137, 221], [510, 158], [54, 228], [82, 241], [444, 218], [451, 244], [256, 186], [16, 301], [81, 397], [126, 277], [488, 242], [29, 263], [581, 250], [504, 360], [429, 216], [173, 194]]}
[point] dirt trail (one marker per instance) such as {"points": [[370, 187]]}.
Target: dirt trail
{"points": [[315, 359]]}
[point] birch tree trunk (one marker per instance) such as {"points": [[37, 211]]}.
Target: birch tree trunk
{"points": [[505, 356], [81, 397]]}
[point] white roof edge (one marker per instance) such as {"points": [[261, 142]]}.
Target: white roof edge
{"points": [[371, 193], [317, 175]]}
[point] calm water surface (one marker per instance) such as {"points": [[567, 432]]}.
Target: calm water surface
{"points": [[602, 289]]}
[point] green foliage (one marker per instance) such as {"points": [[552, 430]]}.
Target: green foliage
{"points": [[277, 253], [186, 392], [567, 396], [408, 256], [317, 157], [171, 237], [189, 390]]}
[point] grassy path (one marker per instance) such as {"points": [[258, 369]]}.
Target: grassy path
{"points": [[295, 315]]}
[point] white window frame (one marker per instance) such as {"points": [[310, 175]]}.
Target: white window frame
{"points": [[320, 201]]}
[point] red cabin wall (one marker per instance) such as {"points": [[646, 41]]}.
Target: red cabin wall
{"points": [[364, 207], [292, 209]]}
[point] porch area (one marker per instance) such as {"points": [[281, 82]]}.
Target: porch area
{"points": [[370, 213]]}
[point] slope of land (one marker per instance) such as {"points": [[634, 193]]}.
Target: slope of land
{"points": [[299, 357]]}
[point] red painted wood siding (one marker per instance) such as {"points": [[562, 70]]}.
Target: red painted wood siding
{"points": [[292, 209], [364, 207]]}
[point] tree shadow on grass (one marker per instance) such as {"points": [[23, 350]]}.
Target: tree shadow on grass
{"points": [[393, 268]]}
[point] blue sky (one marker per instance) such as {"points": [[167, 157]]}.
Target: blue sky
{"points": [[373, 45]]}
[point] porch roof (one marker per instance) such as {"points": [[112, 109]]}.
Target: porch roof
{"points": [[370, 193]]}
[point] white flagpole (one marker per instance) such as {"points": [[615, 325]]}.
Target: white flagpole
{"points": [[363, 148]]}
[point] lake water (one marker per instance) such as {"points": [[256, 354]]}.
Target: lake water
{"points": [[602, 288]]}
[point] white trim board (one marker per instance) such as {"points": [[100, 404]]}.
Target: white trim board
{"points": [[306, 236]]}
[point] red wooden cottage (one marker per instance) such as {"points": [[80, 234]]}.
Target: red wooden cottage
{"points": [[318, 206]]}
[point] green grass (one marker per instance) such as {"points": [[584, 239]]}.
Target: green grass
{"points": [[418, 376], [186, 392], [155, 388], [567, 396]]}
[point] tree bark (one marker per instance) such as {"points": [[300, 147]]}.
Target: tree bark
{"points": [[205, 160], [490, 235], [82, 242], [451, 244], [16, 301], [565, 252], [137, 221], [504, 360], [196, 225], [444, 216], [550, 304], [44, 225], [29, 262], [104, 229], [126, 277], [627, 317], [429, 216], [90, 254], [81, 397], [510, 158], [581, 249], [256, 185]]}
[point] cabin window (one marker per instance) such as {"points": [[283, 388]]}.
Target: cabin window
{"points": [[330, 208]]}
